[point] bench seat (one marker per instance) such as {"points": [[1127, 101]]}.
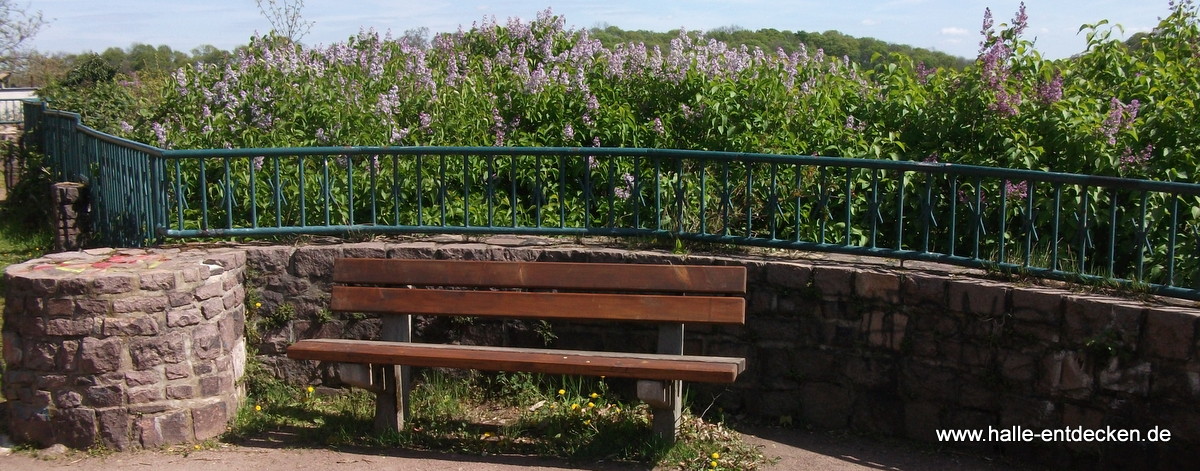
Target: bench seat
{"points": [[705, 369]]}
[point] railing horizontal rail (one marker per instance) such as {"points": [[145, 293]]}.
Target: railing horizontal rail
{"points": [[1056, 225]]}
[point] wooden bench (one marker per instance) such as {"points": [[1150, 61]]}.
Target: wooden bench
{"points": [[670, 295]]}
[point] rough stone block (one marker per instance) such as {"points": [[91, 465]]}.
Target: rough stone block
{"points": [[228, 259], [12, 349], [70, 327], [365, 250], [833, 281], [148, 352], [209, 289], [145, 394], [67, 399], [212, 308], [157, 280], [184, 317], [210, 421], [789, 275], [92, 307], [113, 428], [216, 384], [181, 391], [75, 428], [1091, 319], [1065, 373], [206, 341], [986, 299], [179, 298], [60, 307], [68, 356], [1038, 305], [99, 356], [114, 283], [137, 326], [177, 371], [41, 356], [1129, 377], [104, 396], [234, 297], [315, 261], [146, 304], [142, 378], [876, 286], [1170, 333]]}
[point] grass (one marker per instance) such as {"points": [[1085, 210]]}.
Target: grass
{"points": [[511, 414]]}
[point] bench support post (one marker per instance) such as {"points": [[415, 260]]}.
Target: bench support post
{"points": [[392, 397], [668, 412]]}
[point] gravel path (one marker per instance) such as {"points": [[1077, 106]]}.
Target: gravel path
{"points": [[796, 450]]}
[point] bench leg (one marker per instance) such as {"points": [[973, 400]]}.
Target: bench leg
{"points": [[391, 402], [665, 399]]}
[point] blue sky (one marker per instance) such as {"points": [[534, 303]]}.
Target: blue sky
{"points": [[950, 26]]}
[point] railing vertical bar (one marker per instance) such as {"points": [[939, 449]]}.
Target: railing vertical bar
{"points": [[254, 194], [1002, 235], [1083, 230], [849, 191], [302, 174], [823, 201], [927, 218], [588, 194], [466, 190], [978, 210], [658, 210], [1054, 230], [179, 199], [1143, 238], [799, 185], [349, 189], [774, 202], [679, 196], [749, 199], [562, 191], [952, 242], [512, 195], [636, 192], [900, 212], [1112, 232], [442, 187], [726, 200], [373, 173], [228, 196], [326, 192], [491, 190], [278, 183], [1171, 239], [397, 186], [420, 189], [874, 214], [703, 196], [1029, 228], [612, 190], [203, 196]]}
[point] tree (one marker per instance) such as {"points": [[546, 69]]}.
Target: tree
{"points": [[285, 17], [18, 24]]}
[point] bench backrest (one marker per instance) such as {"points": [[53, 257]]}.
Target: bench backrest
{"points": [[598, 291]]}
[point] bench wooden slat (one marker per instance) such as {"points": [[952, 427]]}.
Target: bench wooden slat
{"points": [[543, 275], [540, 305], [567, 362]]}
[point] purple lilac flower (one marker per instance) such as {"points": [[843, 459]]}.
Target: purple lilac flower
{"points": [[426, 120], [625, 191], [1131, 161], [160, 133], [1120, 117], [398, 135], [568, 132], [932, 158], [1052, 91], [1021, 21], [658, 127], [855, 124], [258, 162], [126, 127], [1006, 103], [924, 72], [1017, 190]]}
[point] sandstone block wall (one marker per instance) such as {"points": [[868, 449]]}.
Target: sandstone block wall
{"points": [[846, 344]]}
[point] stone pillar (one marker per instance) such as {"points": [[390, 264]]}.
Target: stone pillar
{"points": [[68, 202], [124, 348]]}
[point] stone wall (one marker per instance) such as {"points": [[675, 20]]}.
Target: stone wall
{"points": [[841, 343], [125, 349]]}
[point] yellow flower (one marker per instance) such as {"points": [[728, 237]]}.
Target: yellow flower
{"points": [[310, 389], [487, 434], [591, 404], [716, 455], [197, 447], [562, 391], [617, 410], [574, 406], [713, 464], [594, 395], [257, 408], [587, 422], [257, 304]]}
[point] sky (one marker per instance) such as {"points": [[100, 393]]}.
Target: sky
{"points": [[950, 26]]}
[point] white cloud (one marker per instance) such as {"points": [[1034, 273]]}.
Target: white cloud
{"points": [[870, 22], [954, 31]]}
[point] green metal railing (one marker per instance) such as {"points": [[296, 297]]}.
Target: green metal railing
{"points": [[1053, 225]]}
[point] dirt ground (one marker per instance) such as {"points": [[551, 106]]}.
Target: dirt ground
{"points": [[796, 450]]}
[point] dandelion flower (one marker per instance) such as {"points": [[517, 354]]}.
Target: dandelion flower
{"points": [[257, 408], [562, 391], [310, 389], [574, 406], [257, 304], [594, 395], [716, 455], [587, 422], [591, 404], [713, 464]]}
